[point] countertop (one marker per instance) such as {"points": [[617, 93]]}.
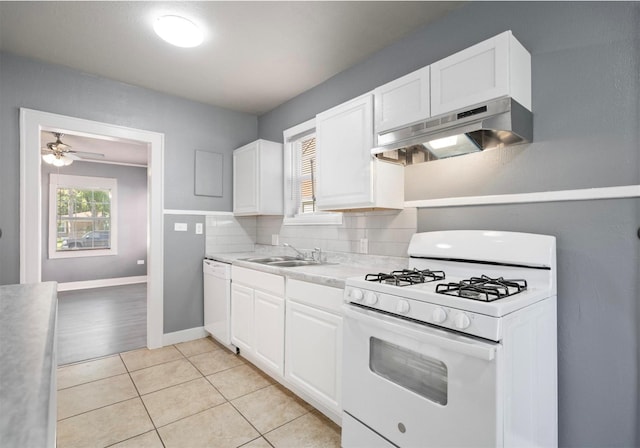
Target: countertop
{"points": [[341, 265], [27, 364]]}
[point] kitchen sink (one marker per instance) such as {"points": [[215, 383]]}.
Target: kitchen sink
{"points": [[269, 260], [284, 261], [293, 263]]}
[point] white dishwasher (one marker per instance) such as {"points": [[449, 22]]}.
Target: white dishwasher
{"points": [[217, 301]]}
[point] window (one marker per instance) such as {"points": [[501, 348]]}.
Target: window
{"points": [[82, 216], [300, 178]]}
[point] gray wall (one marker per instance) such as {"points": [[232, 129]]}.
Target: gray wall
{"points": [[132, 226], [586, 93], [187, 126], [180, 310]]}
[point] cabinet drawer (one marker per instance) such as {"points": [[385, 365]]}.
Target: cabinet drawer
{"points": [[318, 296], [259, 280]]}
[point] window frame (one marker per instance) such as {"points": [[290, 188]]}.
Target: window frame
{"points": [[82, 182], [291, 138]]}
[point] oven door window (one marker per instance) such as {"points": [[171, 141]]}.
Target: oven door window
{"points": [[411, 370]]}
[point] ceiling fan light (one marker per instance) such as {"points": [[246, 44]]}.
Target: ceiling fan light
{"points": [[49, 158], [57, 159], [178, 31]]}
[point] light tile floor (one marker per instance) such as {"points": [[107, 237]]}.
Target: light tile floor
{"points": [[189, 395]]}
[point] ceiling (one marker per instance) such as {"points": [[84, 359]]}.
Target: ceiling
{"points": [[256, 55]]}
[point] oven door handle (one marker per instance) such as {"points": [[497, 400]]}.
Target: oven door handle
{"points": [[439, 338]]}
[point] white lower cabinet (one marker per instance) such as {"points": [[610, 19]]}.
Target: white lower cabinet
{"points": [[313, 347], [257, 318], [242, 317], [268, 325], [297, 340]]}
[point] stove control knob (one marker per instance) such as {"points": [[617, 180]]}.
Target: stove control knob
{"points": [[402, 307], [356, 295], [462, 321], [439, 315], [370, 298]]}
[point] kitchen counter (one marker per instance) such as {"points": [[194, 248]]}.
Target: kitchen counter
{"points": [[28, 364], [340, 265]]}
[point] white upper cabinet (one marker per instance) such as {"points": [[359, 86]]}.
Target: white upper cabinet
{"points": [[348, 176], [402, 101], [496, 67], [258, 179]]}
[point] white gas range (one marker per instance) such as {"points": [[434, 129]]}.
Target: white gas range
{"points": [[457, 350]]}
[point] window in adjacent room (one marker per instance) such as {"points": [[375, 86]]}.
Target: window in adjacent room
{"points": [[300, 178], [82, 216]]}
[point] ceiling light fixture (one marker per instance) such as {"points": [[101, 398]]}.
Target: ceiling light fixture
{"points": [[56, 153], [57, 159], [178, 31]]}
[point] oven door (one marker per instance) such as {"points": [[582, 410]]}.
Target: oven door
{"points": [[416, 385]]}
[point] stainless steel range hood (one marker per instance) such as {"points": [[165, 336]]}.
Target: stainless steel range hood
{"points": [[493, 124]]}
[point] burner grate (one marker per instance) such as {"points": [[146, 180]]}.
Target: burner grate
{"points": [[483, 288], [406, 277]]}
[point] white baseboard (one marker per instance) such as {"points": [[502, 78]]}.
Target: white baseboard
{"points": [[190, 334], [102, 283]]}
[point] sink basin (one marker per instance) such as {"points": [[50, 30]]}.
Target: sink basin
{"points": [[284, 261], [293, 263], [269, 260]]}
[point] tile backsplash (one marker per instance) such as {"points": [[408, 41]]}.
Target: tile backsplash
{"points": [[227, 233], [385, 232]]}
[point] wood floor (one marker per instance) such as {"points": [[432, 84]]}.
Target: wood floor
{"points": [[101, 321]]}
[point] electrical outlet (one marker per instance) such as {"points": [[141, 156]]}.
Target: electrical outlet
{"points": [[198, 228], [364, 246], [275, 240], [140, 261], [180, 227]]}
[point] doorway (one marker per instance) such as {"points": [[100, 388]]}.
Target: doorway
{"points": [[32, 122]]}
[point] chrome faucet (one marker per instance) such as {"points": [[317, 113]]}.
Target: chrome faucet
{"points": [[301, 255]]}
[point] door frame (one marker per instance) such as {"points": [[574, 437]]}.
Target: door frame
{"points": [[31, 124]]}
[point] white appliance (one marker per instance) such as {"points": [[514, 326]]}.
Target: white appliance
{"points": [[217, 301], [459, 350]]}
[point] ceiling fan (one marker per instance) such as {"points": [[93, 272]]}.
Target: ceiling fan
{"points": [[60, 154]]}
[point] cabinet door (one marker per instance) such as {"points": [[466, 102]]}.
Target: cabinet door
{"points": [[314, 353], [242, 317], [246, 180], [476, 74], [269, 330], [344, 138], [402, 101]]}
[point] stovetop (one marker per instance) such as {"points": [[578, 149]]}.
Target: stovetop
{"points": [[467, 281], [483, 288], [489, 290]]}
